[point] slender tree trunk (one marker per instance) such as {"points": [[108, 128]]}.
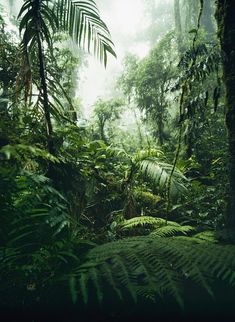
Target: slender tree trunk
{"points": [[42, 72], [160, 129], [162, 108], [11, 4], [206, 19], [178, 25], [191, 14], [139, 130], [189, 146], [102, 131], [226, 31], [4, 116]]}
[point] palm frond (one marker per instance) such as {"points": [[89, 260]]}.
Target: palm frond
{"points": [[159, 172], [84, 24], [37, 17], [148, 153], [21, 151]]}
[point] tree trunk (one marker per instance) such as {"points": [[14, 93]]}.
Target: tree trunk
{"points": [[226, 31], [160, 130], [139, 130], [4, 116], [102, 130], [42, 73], [189, 146], [178, 26], [206, 19]]}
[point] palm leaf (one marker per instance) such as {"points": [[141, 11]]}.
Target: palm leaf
{"points": [[159, 172], [81, 19]]}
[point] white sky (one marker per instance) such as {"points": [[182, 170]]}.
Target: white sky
{"points": [[125, 19]]}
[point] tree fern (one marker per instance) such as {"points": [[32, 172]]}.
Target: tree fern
{"points": [[155, 266]]}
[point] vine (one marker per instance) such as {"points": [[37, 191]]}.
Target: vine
{"points": [[181, 110]]}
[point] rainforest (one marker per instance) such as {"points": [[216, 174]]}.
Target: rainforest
{"points": [[117, 160]]}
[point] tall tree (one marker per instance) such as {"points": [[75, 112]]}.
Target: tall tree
{"points": [[41, 18], [207, 18], [226, 31], [107, 111], [178, 25]]}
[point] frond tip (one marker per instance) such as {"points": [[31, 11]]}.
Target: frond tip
{"points": [[172, 229]]}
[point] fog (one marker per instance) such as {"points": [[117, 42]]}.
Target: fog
{"points": [[125, 20], [130, 23]]}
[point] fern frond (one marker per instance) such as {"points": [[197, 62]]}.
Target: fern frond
{"points": [[156, 266], [162, 228], [142, 221], [172, 229], [206, 236], [20, 151]]}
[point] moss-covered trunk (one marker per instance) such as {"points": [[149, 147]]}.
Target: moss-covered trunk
{"points": [[226, 31]]}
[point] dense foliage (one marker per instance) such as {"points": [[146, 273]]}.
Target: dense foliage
{"points": [[92, 209]]}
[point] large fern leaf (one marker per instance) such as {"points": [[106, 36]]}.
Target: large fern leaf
{"points": [[142, 221], [160, 227], [171, 229], [153, 266]]}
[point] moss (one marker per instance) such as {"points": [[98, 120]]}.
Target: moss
{"points": [[226, 32]]}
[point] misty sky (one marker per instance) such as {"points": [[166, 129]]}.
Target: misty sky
{"points": [[125, 19]]}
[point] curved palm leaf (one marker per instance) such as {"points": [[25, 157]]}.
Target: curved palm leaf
{"points": [[145, 154], [81, 19], [159, 172], [37, 16]]}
